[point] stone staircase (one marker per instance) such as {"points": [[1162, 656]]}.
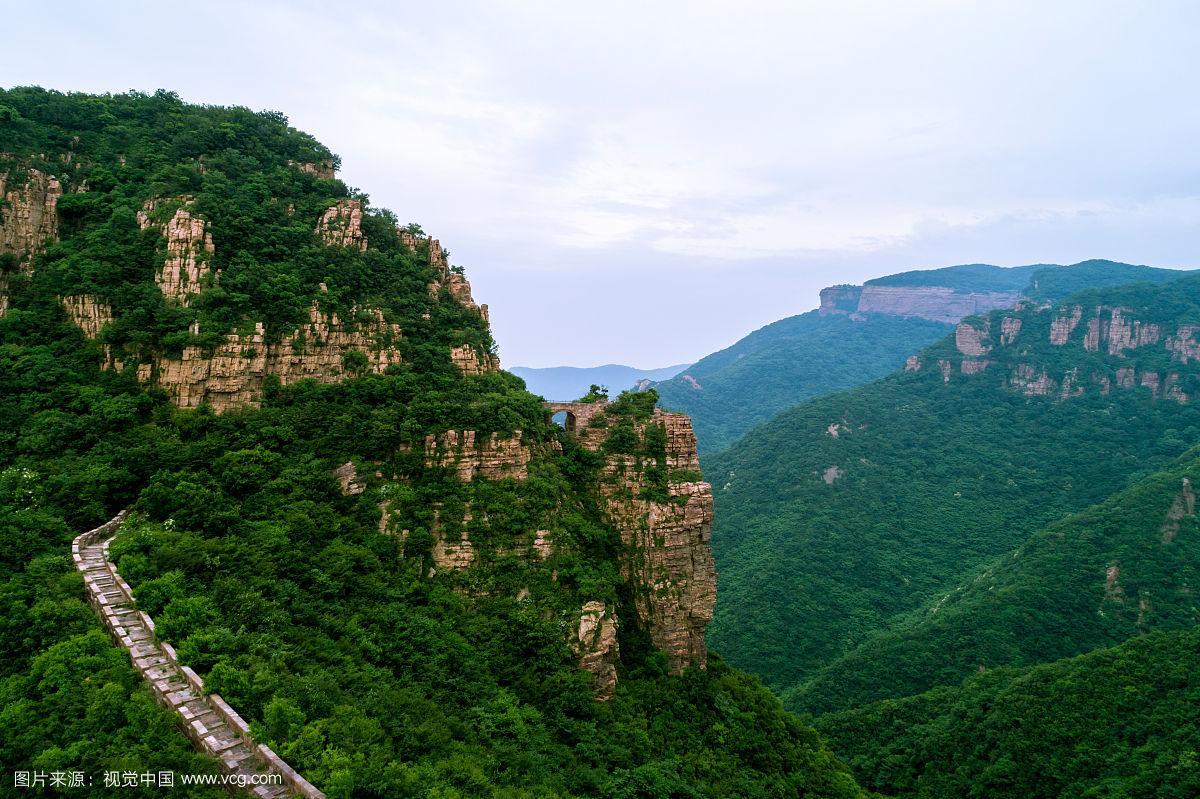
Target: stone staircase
{"points": [[211, 724]]}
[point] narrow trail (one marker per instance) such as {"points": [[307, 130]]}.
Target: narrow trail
{"points": [[211, 724]]}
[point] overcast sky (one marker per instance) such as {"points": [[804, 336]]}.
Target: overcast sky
{"points": [[645, 182]]}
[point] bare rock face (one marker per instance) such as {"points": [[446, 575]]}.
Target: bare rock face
{"points": [[322, 169], [971, 340], [232, 375], [470, 363], [1121, 333], [491, 458], [667, 557], [341, 225], [1183, 346], [1184, 505], [840, 299], [1062, 326], [913, 363], [1030, 382], [348, 480], [937, 303], [945, 367], [973, 367], [598, 649], [189, 248], [87, 313], [28, 221], [29, 214], [1010, 326], [1125, 334]]}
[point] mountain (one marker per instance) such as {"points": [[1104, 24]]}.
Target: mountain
{"points": [[860, 334], [1114, 722], [1119, 569], [565, 383], [348, 527], [847, 512]]}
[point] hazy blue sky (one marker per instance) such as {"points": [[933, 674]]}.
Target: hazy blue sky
{"points": [[646, 182]]}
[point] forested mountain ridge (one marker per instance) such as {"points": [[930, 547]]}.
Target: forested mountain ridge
{"points": [[861, 333], [1119, 569], [1117, 722], [369, 540], [852, 509]]}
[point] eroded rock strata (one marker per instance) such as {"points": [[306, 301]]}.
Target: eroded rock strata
{"points": [[667, 556], [28, 220]]}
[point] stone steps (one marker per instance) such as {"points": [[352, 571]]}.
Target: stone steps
{"points": [[211, 724]]}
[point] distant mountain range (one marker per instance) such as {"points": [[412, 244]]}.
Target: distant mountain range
{"points": [[861, 333], [565, 383]]}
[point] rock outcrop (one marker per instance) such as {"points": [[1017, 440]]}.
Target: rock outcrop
{"points": [[470, 363], [322, 169], [667, 557], [972, 340], [490, 458], [840, 299], [341, 225], [188, 245], [598, 649], [1184, 505], [1062, 326], [1109, 333], [87, 313], [231, 376], [28, 221], [29, 214]]}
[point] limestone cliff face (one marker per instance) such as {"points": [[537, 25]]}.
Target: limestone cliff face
{"points": [[840, 299], [341, 225], [322, 169], [232, 375], [29, 217], [491, 458], [188, 247], [598, 649], [1110, 340], [28, 220], [667, 558], [938, 303], [87, 313]]}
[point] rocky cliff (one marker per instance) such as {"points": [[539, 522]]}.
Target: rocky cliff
{"points": [[1066, 351], [28, 220], [667, 558], [231, 374], [937, 303]]}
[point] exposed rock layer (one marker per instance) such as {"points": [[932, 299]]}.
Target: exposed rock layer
{"points": [[667, 556]]}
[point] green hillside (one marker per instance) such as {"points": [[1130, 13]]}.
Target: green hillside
{"points": [[371, 671], [824, 540], [1114, 571], [792, 360], [1117, 722], [787, 362]]}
